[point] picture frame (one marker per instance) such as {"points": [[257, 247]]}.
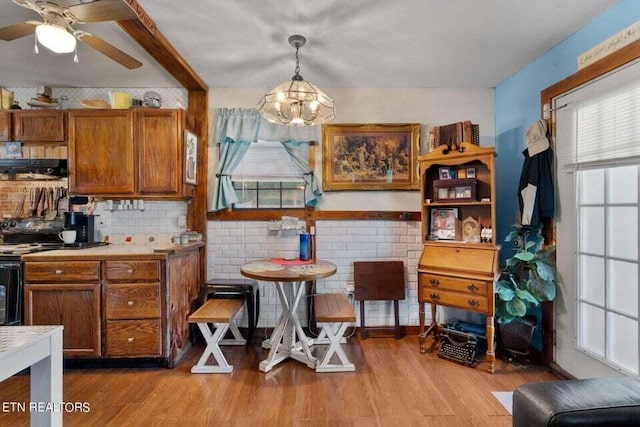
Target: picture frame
{"points": [[444, 173], [471, 172], [444, 223], [190, 157], [365, 157]]}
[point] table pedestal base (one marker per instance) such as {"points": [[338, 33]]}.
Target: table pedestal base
{"points": [[288, 339]]}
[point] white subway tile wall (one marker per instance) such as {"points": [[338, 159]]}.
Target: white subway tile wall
{"points": [[157, 217], [233, 243]]}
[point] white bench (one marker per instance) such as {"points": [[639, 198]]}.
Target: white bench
{"points": [[219, 312], [333, 313]]}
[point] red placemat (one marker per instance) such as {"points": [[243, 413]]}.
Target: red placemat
{"points": [[283, 261]]}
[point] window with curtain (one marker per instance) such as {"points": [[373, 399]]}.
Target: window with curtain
{"points": [[271, 169], [598, 147], [267, 177]]}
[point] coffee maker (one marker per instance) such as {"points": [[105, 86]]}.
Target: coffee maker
{"points": [[82, 223]]}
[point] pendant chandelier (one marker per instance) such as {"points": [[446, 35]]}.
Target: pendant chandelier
{"points": [[296, 102]]}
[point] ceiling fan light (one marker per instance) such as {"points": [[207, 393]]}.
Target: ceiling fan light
{"points": [[55, 38]]}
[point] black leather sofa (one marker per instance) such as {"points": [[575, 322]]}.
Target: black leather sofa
{"points": [[589, 402]]}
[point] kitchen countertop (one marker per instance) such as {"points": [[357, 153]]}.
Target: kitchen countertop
{"points": [[112, 251]]}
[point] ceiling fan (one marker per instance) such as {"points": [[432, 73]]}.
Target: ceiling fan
{"points": [[56, 31]]}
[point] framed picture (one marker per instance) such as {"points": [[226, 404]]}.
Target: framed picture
{"points": [[370, 157], [444, 173], [471, 172], [443, 223], [190, 157]]}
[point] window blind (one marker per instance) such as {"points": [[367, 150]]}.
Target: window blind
{"points": [[599, 125], [267, 161]]}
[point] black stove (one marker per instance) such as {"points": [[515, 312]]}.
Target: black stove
{"points": [[17, 238], [10, 251]]}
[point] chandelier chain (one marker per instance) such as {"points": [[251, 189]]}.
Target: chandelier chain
{"points": [[297, 71]]}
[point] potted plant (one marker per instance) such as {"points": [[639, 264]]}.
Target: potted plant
{"points": [[527, 280]]}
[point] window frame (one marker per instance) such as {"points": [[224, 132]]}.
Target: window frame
{"points": [[617, 59]]}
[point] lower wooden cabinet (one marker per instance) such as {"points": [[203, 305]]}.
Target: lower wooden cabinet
{"points": [[117, 307], [75, 306]]}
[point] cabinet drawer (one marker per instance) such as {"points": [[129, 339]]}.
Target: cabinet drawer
{"points": [[148, 271], [475, 287], [133, 338], [454, 299], [132, 301], [53, 272]]}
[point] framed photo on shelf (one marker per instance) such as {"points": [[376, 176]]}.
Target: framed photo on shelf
{"points": [[370, 157], [471, 172], [443, 223], [190, 157], [444, 173]]}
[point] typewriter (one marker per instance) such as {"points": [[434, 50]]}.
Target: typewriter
{"points": [[462, 342]]}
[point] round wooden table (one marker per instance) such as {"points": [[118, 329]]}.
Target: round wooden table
{"points": [[288, 340]]}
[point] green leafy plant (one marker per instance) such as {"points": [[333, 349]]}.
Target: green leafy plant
{"points": [[529, 276]]}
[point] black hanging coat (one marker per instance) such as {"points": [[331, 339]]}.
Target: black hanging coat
{"points": [[536, 171]]}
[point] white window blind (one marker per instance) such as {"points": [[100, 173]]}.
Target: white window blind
{"points": [[267, 161], [599, 125]]}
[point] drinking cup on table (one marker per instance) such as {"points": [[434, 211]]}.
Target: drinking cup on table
{"points": [[67, 236]]}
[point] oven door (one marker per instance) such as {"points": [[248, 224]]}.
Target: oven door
{"points": [[11, 292]]}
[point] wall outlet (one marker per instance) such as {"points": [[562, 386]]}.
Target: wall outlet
{"points": [[351, 288]]}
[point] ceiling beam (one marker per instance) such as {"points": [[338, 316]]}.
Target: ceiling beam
{"points": [[144, 31]]}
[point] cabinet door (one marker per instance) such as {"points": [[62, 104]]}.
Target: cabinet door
{"points": [[101, 152], [159, 142], [75, 306], [38, 125], [5, 126]]}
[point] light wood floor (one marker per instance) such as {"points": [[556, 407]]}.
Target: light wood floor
{"points": [[394, 385]]}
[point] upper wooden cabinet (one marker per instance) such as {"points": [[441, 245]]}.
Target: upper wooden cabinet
{"points": [[5, 126], [38, 125], [101, 152], [128, 153], [32, 125], [160, 153]]}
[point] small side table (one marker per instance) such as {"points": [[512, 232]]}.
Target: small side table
{"points": [[379, 281], [235, 288]]}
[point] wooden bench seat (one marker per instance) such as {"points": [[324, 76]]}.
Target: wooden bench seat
{"points": [[333, 312], [220, 313]]}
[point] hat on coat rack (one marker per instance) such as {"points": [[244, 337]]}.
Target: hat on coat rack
{"points": [[536, 136]]}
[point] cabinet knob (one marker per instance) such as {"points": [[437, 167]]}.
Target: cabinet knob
{"points": [[434, 282], [130, 339], [473, 288], [130, 271], [473, 303], [130, 303], [58, 271], [434, 297]]}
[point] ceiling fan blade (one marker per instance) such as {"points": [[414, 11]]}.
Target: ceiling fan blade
{"points": [[16, 31], [103, 10], [111, 51]]}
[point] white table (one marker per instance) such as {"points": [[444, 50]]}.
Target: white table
{"points": [[38, 347], [288, 339]]}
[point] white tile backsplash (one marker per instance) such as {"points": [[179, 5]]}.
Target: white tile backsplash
{"points": [[157, 217]]}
